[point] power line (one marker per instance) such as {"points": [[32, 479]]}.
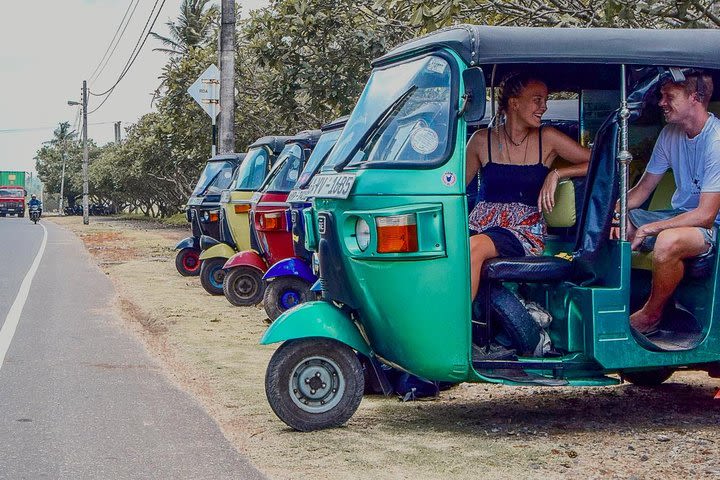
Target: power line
{"points": [[133, 56], [94, 76]]}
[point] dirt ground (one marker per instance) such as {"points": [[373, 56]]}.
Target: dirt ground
{"points": [[210, 348]]}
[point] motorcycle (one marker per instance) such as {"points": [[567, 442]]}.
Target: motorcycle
{"points": [[34, 213]]}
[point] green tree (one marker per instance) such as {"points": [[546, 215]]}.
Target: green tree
{"points": [[311, 58], [427, 16]]}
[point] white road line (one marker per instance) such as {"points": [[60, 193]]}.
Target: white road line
{"points": [[13, 317]]}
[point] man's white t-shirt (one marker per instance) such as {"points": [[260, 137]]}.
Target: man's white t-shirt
{"points": [[695, 162]]}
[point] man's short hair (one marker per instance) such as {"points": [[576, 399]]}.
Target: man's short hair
{"points": [[699, 83]]}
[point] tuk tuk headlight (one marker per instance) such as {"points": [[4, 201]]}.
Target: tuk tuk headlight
{"points": [[362, 234], [206, 216]]}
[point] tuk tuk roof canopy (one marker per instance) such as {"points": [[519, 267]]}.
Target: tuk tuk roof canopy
{"points": [[335, 124], [478, 45], [308, 137], [274, 143], [232, 157]]}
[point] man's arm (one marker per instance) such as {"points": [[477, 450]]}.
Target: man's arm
{"points": [[642, 191]]}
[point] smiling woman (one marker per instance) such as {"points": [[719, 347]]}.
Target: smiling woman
{"points": [[517, 182]]}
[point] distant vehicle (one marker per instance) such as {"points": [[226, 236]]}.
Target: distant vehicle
{"points": [[12, 200]]}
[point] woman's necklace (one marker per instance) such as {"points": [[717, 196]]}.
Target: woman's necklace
{"points": [[511, 139], [509, 156]]}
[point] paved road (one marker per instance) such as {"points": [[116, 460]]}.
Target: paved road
{"points": [[79, 396]]}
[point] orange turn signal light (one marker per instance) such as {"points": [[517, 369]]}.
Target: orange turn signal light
{"points": [[271, 221], [214, 216], [397, 234], [242, 208]]}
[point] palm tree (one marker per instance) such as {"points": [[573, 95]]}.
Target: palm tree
{"points": [[192, 29], [61, 137]]}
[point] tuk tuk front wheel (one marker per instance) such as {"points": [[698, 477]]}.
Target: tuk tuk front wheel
{"points": [[244, 286], [187, 262], [314, 383], [283, 293], [212, 275], [648, 378]]}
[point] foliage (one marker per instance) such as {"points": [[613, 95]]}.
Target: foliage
{"points": [[308, 60], [426, 15]]}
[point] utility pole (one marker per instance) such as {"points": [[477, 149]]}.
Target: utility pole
{"points": [[86, 207], [227, 77], [117, 132]]}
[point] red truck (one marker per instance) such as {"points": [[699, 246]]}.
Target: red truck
{"points": [[12, 200]]}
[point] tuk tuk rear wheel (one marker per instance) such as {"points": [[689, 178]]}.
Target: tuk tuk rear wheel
{"points": [[648, 378], [244, 286], [187, 262], [314, 383], [283, 293], [212, 275]]}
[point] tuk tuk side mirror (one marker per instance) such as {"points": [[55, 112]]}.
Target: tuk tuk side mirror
{"points": [[473, 101]]}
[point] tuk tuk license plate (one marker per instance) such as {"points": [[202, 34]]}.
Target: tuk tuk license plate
{"points": [[331, 186], [297, 196]]}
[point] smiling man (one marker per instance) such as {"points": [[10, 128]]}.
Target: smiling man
{"points": [[690, 146]]}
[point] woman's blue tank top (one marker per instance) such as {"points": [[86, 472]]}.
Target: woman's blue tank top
{"points": [[504, 183]]}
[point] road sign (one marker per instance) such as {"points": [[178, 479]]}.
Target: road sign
{"points": [[206, 91]]}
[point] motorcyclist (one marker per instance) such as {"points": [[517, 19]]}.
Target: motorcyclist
{"points": [[34, 202]]}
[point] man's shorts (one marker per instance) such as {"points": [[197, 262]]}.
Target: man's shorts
{"points": [[639, 217]]}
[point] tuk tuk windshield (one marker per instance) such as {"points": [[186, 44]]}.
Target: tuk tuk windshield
{"points": [[319, 155], [215, 178], [284, 176], [252, 170], [403, 115]]}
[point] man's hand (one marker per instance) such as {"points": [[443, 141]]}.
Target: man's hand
{"points": [[648, 230]]}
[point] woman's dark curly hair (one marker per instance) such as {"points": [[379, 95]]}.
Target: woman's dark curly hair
{"points": [[512, 86]]}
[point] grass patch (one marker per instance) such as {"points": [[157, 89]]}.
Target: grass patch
{"points": [[177, 220]]}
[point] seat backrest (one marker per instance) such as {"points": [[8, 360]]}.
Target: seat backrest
{"points": [[563, 215], [601, 191]]}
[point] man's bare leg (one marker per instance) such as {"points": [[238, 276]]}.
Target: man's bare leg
{"points": [[671, 248]]}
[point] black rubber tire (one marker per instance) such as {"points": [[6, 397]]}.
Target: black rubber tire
{"points": [[3, 214], [212, 276], [514, 319], [21, 215], [277, 287], [648, 378], [181, 264], [244, 286], [316, 358]]}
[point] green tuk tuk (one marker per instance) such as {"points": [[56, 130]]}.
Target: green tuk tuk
{"points": [[389, 224]]}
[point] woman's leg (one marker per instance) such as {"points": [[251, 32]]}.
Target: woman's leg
{"points": [[481, 248]]}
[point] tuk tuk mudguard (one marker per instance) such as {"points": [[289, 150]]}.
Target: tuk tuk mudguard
{"points": [[221, 250], [189, 242], [316, 319], [291, 267], [247, 258]]}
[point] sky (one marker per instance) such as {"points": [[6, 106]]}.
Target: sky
{"points": [[48, 47]]}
